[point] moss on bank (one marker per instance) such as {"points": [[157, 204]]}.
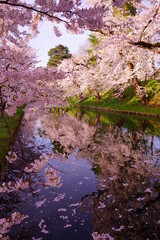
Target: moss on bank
{"points": [[130, 102], [8, 128]]}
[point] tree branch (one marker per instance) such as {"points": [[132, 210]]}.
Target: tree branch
{"points": [[35, 10], [145, 44], [80, 64], [149, 22]]}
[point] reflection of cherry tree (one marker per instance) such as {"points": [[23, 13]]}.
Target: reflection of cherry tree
{"points": [[99, 143], [127, 167], [67, 130], [23, 175], [127, 195], [125, 162], [6, 224], [19, 191], [52, 178]]}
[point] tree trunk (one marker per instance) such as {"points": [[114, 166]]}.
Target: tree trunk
{"points": [[152, 143], [135, 83], [133, 140], [81, 96], [96, 120], [153, 67], [140, 91], [96, 94], [2, 103], [144, 100]]}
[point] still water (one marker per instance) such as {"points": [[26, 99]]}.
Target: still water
{"points": [[82, 175]]}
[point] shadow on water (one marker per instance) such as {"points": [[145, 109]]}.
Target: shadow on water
{"points": [[83, 175]]}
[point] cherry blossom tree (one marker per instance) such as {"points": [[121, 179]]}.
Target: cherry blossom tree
{"points": [[18, 23], [127, 51], [129, 27], [135, 31]]}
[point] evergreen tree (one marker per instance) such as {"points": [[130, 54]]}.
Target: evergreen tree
{"points": [[57, 54]]}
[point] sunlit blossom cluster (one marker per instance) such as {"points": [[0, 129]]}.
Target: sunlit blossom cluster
{"points": [[128, 38]]}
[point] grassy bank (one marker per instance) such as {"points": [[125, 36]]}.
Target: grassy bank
{"points": [[8, 128], [130, 102]]}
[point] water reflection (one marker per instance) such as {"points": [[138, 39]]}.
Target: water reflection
{"points": [[89, 176]]}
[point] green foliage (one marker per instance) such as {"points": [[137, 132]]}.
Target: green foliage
{"points": [[57, 54], [73, 101], [129, 9], [130, 97], [153, 91], [92, 61], [130, 102], [89, 52], [115, 11], [107, 94], [129, 92], [112, 119], [57, 147], [96, 168], [93, 40]]}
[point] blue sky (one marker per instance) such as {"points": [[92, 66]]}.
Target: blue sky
{"points": [[47, 39]]}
